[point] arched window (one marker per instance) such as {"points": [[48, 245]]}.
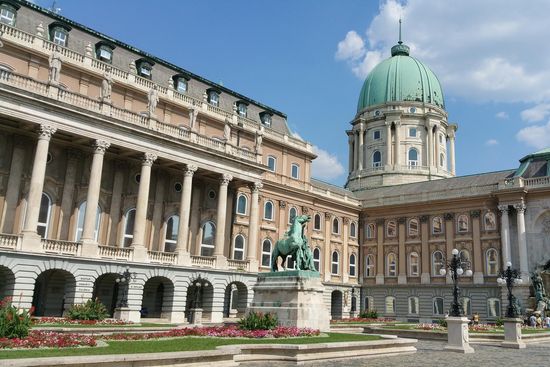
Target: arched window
{"points": [[466, 304], [414, 264], [317, 258], [413, 305], [437, 225], [241, 204], [238, 247], [464, 256], [492, 261], [391, 265], [207, 238], [352, 230], [266, 253], [317, 222], [171, 237], [352, 266], [390, 305], [391, 228], [335, 263], [370, 266], [369, 303], [413, 157], [80, 222], [292, 213], [413, 227], [489, 221], [44, 215], [438, 306], [268, 210], [437, 263], [370, 231], [335, 226], [376, 159], [271, 163], [295, 171], [442, 160], [493, 308], [462, 223], [129, 220]]}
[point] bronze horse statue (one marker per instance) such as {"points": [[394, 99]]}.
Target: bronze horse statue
{"points": [[294, 243]]}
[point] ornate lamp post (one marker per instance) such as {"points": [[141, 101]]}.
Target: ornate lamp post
{"points": [[513, 321], [196, 312], [123, 280], [457, 324]]}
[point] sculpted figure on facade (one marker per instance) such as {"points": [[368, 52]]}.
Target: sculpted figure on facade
{"points": [[152, 101], [259, 139], [227, 131], [193, 114], [106, 86], [55, 67]]}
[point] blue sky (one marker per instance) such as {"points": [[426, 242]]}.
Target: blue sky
{"points": [[489, 58]]}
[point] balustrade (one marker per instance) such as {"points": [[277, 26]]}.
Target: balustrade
{"points": [[203, 261], [117, 253], [163, 257], [60, 247], [9, 241]]}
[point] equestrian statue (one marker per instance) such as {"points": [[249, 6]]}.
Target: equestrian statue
{"points": [[294, 243]]}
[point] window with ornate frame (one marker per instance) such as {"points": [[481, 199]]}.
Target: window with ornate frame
{"points": [[370, 231], [317, 258], [352, 265], [438, 305], [390, 304], [391, 265], [317, 222], [491, 260], [335, 263], [413, 227], [171, 235], [129, 220], [413, 305], [391, 228], [268, 210], [242, 203], [238, 247], [462, 223], [44, 215], [208, 238], [335, 226], [414, 264], [493, 308], [376, 158], [437, 225], [437, 263], [370, 266], [266, 253], [8, 13]]}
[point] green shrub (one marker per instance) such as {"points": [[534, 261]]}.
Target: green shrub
{"points": [[369, 314], [499, 322], [258, 321], [14, 322], [442, 322], [93, 309]]}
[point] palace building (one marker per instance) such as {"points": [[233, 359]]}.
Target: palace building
{"points": [[112, 159]]}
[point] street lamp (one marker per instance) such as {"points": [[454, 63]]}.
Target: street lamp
{"points": [[456, 267], [123, 282], [200, 284], [510, 277]]}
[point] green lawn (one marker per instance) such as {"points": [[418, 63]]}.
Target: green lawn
{"points": [[143, 324], [184, 344]]}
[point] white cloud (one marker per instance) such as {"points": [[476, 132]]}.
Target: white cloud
{"points": [[491, 142], [326, 166], [502, 115], [352, 47], [537, 113], [536, 136]]}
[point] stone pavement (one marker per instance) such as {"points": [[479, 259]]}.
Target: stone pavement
{"points": [[431, 353]]}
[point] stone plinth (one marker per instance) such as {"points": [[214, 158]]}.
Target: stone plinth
{"points": [[296, 297], [512, 334], [196, 316], [126, 314], [458, 339]]}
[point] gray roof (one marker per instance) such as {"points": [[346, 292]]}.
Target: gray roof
{"points": [[334, 188]]}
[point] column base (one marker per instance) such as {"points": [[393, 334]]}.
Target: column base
{"points": [[512, 334], [184, 258], [401, 279], [233, 313], [478, 278], [425, 278], [32, 242], [221, 262], [89, 249], [127, 314], [379, 279], [253, 265], [140, 254], [458, 339]]}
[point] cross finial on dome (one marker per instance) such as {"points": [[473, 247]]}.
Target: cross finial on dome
{"points": [[400, 42], [400, 48]]}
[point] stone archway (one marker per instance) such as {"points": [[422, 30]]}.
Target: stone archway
{"points": [[235, 300], [336, 300], [7, 282], [106, 290], [158, 298], [200, 294], [54, 292]]}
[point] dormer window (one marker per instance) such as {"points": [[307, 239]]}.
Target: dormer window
{"points": [[242, 108], [8, 13], [104, 51], [145, 68], [213, 97], [180, 83], [59, 33], [265, 118]]}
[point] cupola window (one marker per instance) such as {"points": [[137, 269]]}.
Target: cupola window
{"points": [[413, 157], [376, 159]]}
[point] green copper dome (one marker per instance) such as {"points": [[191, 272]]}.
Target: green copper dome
{"points": [[400, 78]]}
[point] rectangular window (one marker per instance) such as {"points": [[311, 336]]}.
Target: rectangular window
{"points": [[181, 85], [145, 71], [295, 171], [376, 135], [265, 119], [105, 54], [493, 307], [390, 304], [413, 306], [438, 306], [7, 16], [241, 109], [412, 132], [60, 37], [214, 98]]}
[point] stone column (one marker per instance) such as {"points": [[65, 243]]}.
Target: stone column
{"points": [[380, 251], [327, 253], [477, 265], [116, 201], [449, 239], [388, 144], [355, 151], [451, 132], [252, 256], [429, 143], [350, 154], [156, 242], [184, 214], [361, 148], [397, 156], [436, 147], [505, 234], [425, 277], [31, 240], [522, 241], [89, 243], [14, 187], [345, 251], [221, 260], [402, 254], [68, 194], [140, 252]]}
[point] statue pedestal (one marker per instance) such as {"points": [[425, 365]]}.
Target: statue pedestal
{"points": [[458, 339], [295, 296], [196, 316], [512, 334], [127, 314]]}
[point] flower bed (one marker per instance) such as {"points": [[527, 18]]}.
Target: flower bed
{"points": [[67, 321], [218, 331], [363, 320], [48, 339]]}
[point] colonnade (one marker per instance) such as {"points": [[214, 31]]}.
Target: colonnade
{"points": [[521, 236]]}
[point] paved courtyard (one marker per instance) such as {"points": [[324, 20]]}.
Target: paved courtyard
{"points": [[431, 353]]}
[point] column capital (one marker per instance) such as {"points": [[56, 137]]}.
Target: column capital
{"points": [[224, 180], [189, 170], [282, 204], [148, 159], [451, 130], [46, 131], [256, 186], [328, 215], [346, 220], [504, 208], [100, 146], [520, 207]]}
